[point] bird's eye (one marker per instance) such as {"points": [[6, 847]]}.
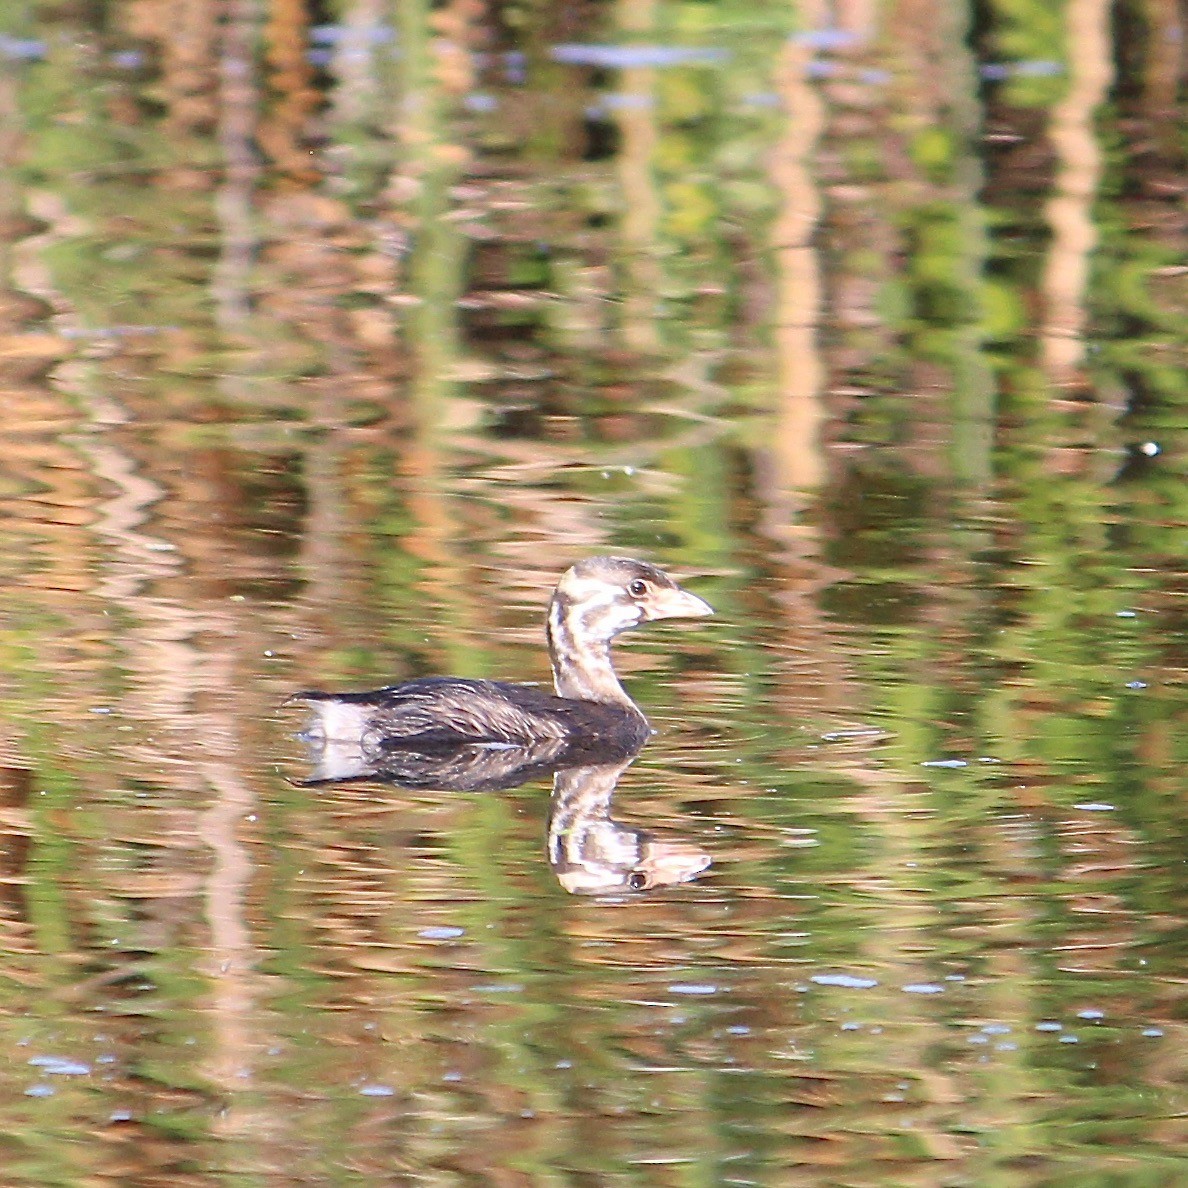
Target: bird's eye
{"points": [[637, 881], [638, 588]]}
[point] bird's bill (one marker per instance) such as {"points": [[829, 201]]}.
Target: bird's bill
{"points": [[677, 604]]}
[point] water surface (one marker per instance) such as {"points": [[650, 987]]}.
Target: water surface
{"points": [[329, 339]]}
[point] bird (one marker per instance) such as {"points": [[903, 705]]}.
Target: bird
{"points": [[595, 600]]}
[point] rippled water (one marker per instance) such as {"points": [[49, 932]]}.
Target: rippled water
{"points": [[328, 339]]}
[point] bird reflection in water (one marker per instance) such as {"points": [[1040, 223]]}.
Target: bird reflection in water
{"points": [[589, 851], [457, 734], [593, 854]]}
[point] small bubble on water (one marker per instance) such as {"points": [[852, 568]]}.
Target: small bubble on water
{"points": [[848, 981], [441, 932], [60, 1066]]}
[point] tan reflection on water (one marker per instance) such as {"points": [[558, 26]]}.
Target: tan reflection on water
{"points": [[635, 117], [1069, 210], [186, 747], [798, 305], [172, 673]]}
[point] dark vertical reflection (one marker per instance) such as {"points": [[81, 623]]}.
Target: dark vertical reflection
{"points": [[16, 786], [233, 203], [975, 404]]}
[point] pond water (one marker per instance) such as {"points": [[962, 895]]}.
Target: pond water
{"points": [[331, 334]]}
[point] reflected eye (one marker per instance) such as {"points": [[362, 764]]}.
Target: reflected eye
{"points": [[638, 588], [637, 880]]}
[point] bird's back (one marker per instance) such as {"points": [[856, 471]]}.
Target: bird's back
{"points": [[449, 710]]}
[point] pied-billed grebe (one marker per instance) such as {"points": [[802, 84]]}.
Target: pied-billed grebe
{"points": [[594, 601]]}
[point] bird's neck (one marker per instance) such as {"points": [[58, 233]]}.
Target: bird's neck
{"points": [[582, 666]]}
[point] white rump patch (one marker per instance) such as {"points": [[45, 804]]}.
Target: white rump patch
{"points": [[338, 721]]}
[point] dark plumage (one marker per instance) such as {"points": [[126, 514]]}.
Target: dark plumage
{"points": [[594, 601]]}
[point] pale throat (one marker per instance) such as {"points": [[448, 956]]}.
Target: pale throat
{"points": [[582, 666]]}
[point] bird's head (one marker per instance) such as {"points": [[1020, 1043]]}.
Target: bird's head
{"points": [[601, 596]]}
